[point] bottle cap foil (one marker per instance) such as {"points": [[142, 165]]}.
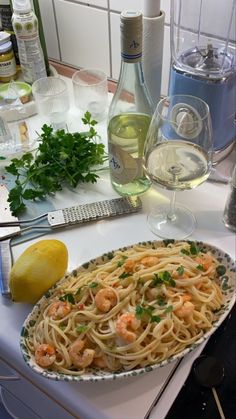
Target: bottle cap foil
{"points": [[131, 25]]}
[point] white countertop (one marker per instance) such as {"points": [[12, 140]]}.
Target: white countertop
{"points": [[131, 397]]}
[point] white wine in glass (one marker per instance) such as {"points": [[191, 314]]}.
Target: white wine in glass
{"points": [[178, 156]]}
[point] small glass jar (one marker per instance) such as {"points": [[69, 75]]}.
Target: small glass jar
{"points": [[7, 62], [229, 216]]}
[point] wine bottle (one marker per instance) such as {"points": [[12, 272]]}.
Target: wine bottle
{"points": [[130, 113]]}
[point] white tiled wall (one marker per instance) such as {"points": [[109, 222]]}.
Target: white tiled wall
{"points": [[86, 33], [83, 35]]}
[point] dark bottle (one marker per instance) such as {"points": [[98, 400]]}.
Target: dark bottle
{"points": [[6, 25], [229, 216]]}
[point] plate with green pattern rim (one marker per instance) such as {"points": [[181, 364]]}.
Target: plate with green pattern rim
{"points": [[228, 287]]}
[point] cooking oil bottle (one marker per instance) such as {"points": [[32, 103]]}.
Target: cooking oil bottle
{"points": [[25, 25]]}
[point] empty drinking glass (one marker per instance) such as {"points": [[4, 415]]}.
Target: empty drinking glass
{"points": [[91, 91], [52, 100]]}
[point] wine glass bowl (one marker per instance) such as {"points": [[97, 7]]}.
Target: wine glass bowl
{"points": [[178, 156]]}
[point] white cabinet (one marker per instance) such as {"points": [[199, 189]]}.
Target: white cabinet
{"points": [[23, 400], [83, 35], [49, 28], [15, 407]]}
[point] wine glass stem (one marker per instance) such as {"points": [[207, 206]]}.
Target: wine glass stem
{"points": [[171, 214]]}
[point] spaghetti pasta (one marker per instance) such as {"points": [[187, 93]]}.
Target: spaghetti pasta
{"points": [[140, 307]]}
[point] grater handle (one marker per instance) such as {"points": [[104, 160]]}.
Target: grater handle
{"points": [[5, 267], [94, 211]]}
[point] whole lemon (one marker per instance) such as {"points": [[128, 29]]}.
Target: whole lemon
{"points": [[39, 267]]}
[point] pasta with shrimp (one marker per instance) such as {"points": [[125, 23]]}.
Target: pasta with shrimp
{"points": [[139, 307]]}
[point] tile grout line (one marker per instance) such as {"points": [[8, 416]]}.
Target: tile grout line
{"points": [[57, 30]]}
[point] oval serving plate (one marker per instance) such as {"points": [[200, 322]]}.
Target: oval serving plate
{"points": [[228, 286]]}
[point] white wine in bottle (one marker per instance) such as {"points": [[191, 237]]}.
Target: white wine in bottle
{"points": [[130, 113]]}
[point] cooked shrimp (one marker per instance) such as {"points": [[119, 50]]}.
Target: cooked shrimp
{"points": [[186, 310], [100, 362], [81, 357], [205, 260], [186, 297], [59, 309], [129, 265], [125, 322], [149, 261], [105, 299], [45, 355]]}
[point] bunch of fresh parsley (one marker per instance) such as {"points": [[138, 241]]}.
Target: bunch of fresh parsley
{"points": [[62, 158]]}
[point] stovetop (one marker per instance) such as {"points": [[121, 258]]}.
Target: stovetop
{"points": [[196, 402]]}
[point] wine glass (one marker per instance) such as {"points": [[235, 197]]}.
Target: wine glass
{"points": [[178, 156]]}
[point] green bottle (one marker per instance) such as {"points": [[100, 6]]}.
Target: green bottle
{"points": [[36, 8]]}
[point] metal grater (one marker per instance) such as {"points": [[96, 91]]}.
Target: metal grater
{"points": [[73, 215], [54, 219], [94, 211]]}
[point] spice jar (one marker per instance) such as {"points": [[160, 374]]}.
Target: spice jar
{"points": [[7, 61], [229, 216]]}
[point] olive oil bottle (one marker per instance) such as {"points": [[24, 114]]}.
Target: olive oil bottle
{"points": [[25, 25]]}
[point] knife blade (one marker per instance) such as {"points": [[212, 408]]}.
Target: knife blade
{"points": [[5, 245]]}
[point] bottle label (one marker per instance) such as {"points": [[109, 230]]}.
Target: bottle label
{"points": [[8, 68], [29, 47], [123, 167], [6, 14], [25, 27]]}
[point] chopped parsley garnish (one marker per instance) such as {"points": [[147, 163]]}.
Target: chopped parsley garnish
{"points": [[78, 291], [185, 252], [155, 319], [125, 275], [168, 309], [145, 314], [163, 278], [221, 269], [180, 270], [194, 249], [62, 326], [68, 297], [93, 285], [140, 311], [160, 301], [81, 328], [200, 267], [122, 261]]}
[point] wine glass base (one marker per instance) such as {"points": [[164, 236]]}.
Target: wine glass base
{"points": [[179, 227]]}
